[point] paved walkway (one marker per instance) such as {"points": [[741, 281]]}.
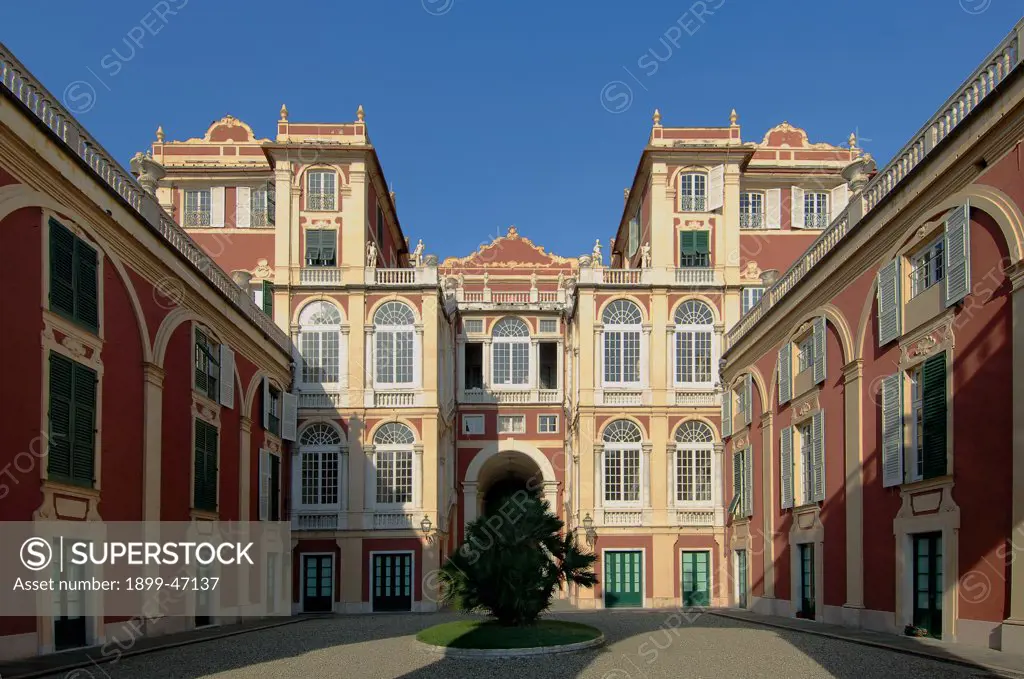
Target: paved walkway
{"points": [[648, 644]]}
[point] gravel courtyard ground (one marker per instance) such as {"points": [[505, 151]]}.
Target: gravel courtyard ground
{"points": [[640, 645]]}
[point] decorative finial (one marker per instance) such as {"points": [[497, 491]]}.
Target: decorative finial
{"points": [[657, 118], [392, 194], [360, 114], [853, 140], [284, 113], [160, 133], [625, 194], [733, 118]]}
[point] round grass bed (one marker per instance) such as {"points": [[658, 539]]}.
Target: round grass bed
{"points": [[488, 634]]}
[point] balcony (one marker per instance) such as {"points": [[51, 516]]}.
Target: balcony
{"points": [[696, 275], [320, 275], [816, 220], [511, 397], [621, 397], [692, 203], [196, 218], [315, 519], [261, 219], [421, 275], [323, 400], [320, 202], [751, 220], [704, 276], [695, 517], [623, 517], [393, 398], [704, 398], [394, 520]]}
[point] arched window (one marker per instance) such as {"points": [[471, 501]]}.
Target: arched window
{"points": [[320, 470], [321, 190], [693, 191], [393, 460], [694, 333], [510, 353], [694, 448], [622, 325], [319, 343], [394, 337], [622, 455]]}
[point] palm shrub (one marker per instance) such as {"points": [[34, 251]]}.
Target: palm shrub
{"points": [[513, 560]]}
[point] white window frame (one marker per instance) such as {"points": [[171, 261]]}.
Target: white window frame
{"points": [[620, 448], [752, 212], [318, 452], [748, 302], [513, 345], [816, 209], [690, 470], [395, 452], [550, 323], [547, 424], [805, 353], [326, 200], [473, 430], [321, 334], [694, 197], [692, 329], [915, 421], [259, 201], [473, 325], [624, 332], [928, 266], [392, 334], [511, 424], [197, 195]]}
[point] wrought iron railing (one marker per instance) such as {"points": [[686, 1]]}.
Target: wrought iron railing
{"points": [[751, 220], [19, 83]]}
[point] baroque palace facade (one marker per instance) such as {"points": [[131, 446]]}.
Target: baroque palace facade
{"points": [[763, 391]]}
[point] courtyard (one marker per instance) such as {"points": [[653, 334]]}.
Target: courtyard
{"points": [[647, 644]]}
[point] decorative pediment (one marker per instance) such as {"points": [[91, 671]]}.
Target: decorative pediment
{"points": [[510, 251], [785, 135], [227, 129]]}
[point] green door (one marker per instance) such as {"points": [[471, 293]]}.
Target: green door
{"points": [[928, 583], [696, 578], [392, 582], [741, 577], [623, 580]]}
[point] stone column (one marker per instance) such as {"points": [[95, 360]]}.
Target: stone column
{"points": [[152, 399], [1013, 627], [768, 475]]}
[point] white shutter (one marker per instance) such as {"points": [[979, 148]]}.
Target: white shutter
{"points": [[819, 349], [748, 398], [243, 207], [217, 206], [264, 493], [727, 412], [227, 376], [889, 302], [266, 403], [796, 208], [716, 187], [289, 416], [818, 455], [785, 373], [773, 209], [958, 254], [840, 197], [786, 464], [748, 481], [892, 430]]}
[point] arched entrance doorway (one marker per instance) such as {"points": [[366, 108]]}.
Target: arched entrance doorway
{"points": [[496, 474]]}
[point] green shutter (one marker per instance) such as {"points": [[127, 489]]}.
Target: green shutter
{"points": [[328, 245], [84, 432], [687, 244], [199, 466], [268, 298], [211, 468], [271, 203], [59, 450], [702, 242], [312, 245], [737, 479], [934, 377], [204, 493], [200, 361], [62, 270], [87, 286]]}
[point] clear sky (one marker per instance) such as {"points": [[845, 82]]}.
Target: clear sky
{"points": [[488, 113]]}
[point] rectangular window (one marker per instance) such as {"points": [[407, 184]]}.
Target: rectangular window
{"points": [[815, 210], [262, 206], [927, 267], [320, 356], [548, 325], [806, 463], [394, 356], [204, 494], [74, 277], [548, 364], [915, 375], [511, 424], [547, 424], [394, 477], [693, 474], [693, 357], [805, 353], [621, 475], [751, 296], [474, 325], [274, 411], [621, 357], [474, 368], [320, 190], [694, 249], [473, 424], [751, 210], [511, 363], [197, 207], [72, 445], [207, 366], [319, 478], [321, 247], [693, 192]]}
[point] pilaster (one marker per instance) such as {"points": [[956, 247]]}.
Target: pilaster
{"points": [[853, 373]]}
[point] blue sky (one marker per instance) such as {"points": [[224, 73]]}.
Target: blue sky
{"points": [[487, 114]]}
